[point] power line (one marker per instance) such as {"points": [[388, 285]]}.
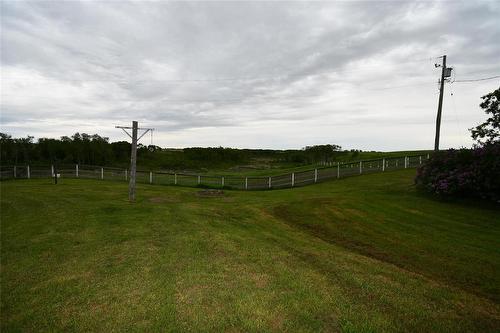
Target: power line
{"points": [[482, 79], [402, 86], [261, 99], [222, 79]]}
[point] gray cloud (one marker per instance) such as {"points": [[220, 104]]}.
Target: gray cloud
{"points": [[280, 74]]}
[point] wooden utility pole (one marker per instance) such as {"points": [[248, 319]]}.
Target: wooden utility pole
{"points": [[440, 104], [133, 163], [133, 155]]}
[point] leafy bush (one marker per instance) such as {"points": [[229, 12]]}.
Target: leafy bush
{"points": [[465, 172]]}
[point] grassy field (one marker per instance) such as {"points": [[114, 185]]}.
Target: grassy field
{"points": [[362, 254], [265, 168]]}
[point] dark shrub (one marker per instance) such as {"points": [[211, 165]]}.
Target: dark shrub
{"points": [[465, 172]]}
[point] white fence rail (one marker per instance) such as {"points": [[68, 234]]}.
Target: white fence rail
{"points": [[294, 179]]}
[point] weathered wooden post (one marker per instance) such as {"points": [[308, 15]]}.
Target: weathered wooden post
{"points": [[222, 181], [28, 171], [102, 173], [175, 179], [293, 179], [246, 183], [76, 170], [269, 182], [133, 163], [315, 175], [133, 155], [338, 170], [360, 167], [151, 177]]}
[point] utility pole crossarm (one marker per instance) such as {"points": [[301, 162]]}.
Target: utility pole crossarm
{"points": [[147, 130], [138, 128], [124, 130]]}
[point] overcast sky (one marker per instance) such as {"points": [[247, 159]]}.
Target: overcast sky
{"points": [[248, 74]]}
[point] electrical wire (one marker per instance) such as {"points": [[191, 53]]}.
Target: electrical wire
{"points": [[454, 108], [260, 99], [402, 86], [223, 79], [475, 80]]}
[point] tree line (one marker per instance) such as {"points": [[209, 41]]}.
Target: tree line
{"points": [[78, 148], [93, 149]]}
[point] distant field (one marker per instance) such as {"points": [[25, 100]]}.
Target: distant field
{"points": [[361, 254], [270, 168]]}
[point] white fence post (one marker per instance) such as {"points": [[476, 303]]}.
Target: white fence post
{"points": [[269, 182], [293, 179], [360, 167], [406, 162], [315, 175], [52, 170], [28, 170], [76, 170], [428, 156], [222, 181], [102, 173], [383, 164], [420, 159], [151, 177], [15, 171], [246, 183], [175, 179], [126, 174]]}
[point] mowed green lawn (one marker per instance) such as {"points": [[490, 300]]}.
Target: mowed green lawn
{"points": [[363, 254]]}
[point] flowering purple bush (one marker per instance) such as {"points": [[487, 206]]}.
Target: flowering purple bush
{"points": [[464, 172]]}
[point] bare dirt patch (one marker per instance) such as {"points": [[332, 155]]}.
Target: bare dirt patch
{"points": [[210, 193]]}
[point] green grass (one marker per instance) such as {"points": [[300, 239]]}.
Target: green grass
{"points": [[362, 254], [260, 168]]}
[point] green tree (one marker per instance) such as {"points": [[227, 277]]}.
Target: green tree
{"points": [[322, 153], [489, 131], [7, 147]]}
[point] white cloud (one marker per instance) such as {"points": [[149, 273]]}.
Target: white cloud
{"points": [[351, 73]]}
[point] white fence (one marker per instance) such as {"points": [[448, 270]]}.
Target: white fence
{"points": [[293, 179]]}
